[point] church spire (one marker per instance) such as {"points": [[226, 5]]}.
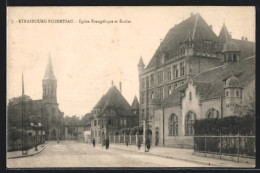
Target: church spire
{"points": [[49, 84], [49, 74], [223, 38], [224, 35]]}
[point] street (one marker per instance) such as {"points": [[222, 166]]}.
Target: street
{"points": [[78, 154]]}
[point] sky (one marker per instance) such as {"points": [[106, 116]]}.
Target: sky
{"points": [[87, 57]]}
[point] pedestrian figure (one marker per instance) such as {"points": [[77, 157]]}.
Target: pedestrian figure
{"points": [[127, 144], [139, 144], [94, 142], [107, 143], [148, 145], [58, 141]]}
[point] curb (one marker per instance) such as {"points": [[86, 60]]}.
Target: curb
{"points": [[14, 157], [170, 157]]}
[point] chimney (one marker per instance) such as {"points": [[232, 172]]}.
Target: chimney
{"points": [[120, 87], [246, 38], [112, 83], [191, 14], [210, 27], [242, 38]]}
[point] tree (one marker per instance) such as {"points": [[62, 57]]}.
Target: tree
{"points": [[14, 111], [248, 106]]}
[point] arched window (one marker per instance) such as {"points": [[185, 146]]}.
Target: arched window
{"points": [[173, 125], [190, 119], [212, 113]]}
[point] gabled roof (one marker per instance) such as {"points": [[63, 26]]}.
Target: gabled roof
{"points": [[115, 100], [195, 25], [135, 104], [49, 74]]}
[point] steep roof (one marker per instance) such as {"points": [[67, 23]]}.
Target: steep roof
{"points": [[247, 48], [49, 74], [135, 104], [141, 62], [244, 71], [114, 99], [223, 37], [195, 25]]}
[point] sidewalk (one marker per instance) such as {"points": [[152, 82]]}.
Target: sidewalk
{"points": [[181, 154], [30, 152]]}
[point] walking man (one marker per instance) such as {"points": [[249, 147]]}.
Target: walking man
{"points": [[148, 144], [94, 142], [107, 143], [139, 144]]}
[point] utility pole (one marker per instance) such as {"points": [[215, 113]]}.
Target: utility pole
{"points": [[24, 151]]}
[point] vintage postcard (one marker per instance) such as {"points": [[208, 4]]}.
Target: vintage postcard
{"points": [[131, 86]]}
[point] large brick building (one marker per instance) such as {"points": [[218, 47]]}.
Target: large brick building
{"points": [[194, 74]]}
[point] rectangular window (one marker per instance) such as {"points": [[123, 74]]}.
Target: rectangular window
{"points": [[182, 68], [95, 122], [190, 96], [143, 114], [237, 93], [142, 98], [227, 93], [160, 93], [151, 96], [175, 71], [160, 77], [125, 122], [147, 81], [169, 73], [152, 79], [143, 83], [169, 90]]}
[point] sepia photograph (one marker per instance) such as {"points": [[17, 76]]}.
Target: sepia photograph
{"points": [[130, 87]]}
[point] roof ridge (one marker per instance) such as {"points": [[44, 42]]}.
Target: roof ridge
{"points": [[248, 58], [208, 70], [195, 25]]}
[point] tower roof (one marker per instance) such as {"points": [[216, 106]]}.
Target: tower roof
{"points": [[49, 74], [141, 63], [224, 35], [135, 104], [233, 81]]}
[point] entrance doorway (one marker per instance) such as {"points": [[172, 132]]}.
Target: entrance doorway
{"points": [[53, 134]]}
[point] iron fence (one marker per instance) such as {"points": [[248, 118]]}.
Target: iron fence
{"points": [[238, 146]]}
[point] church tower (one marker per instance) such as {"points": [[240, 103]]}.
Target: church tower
{"points": [[51, 111], [49, 84]]}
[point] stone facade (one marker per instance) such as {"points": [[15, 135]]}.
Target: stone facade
{"points": [[203, 76]]}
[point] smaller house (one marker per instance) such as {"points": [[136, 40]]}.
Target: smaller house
{"points": [[112, 113]]}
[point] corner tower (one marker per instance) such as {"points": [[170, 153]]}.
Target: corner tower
{"points": [[49, 84]]}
